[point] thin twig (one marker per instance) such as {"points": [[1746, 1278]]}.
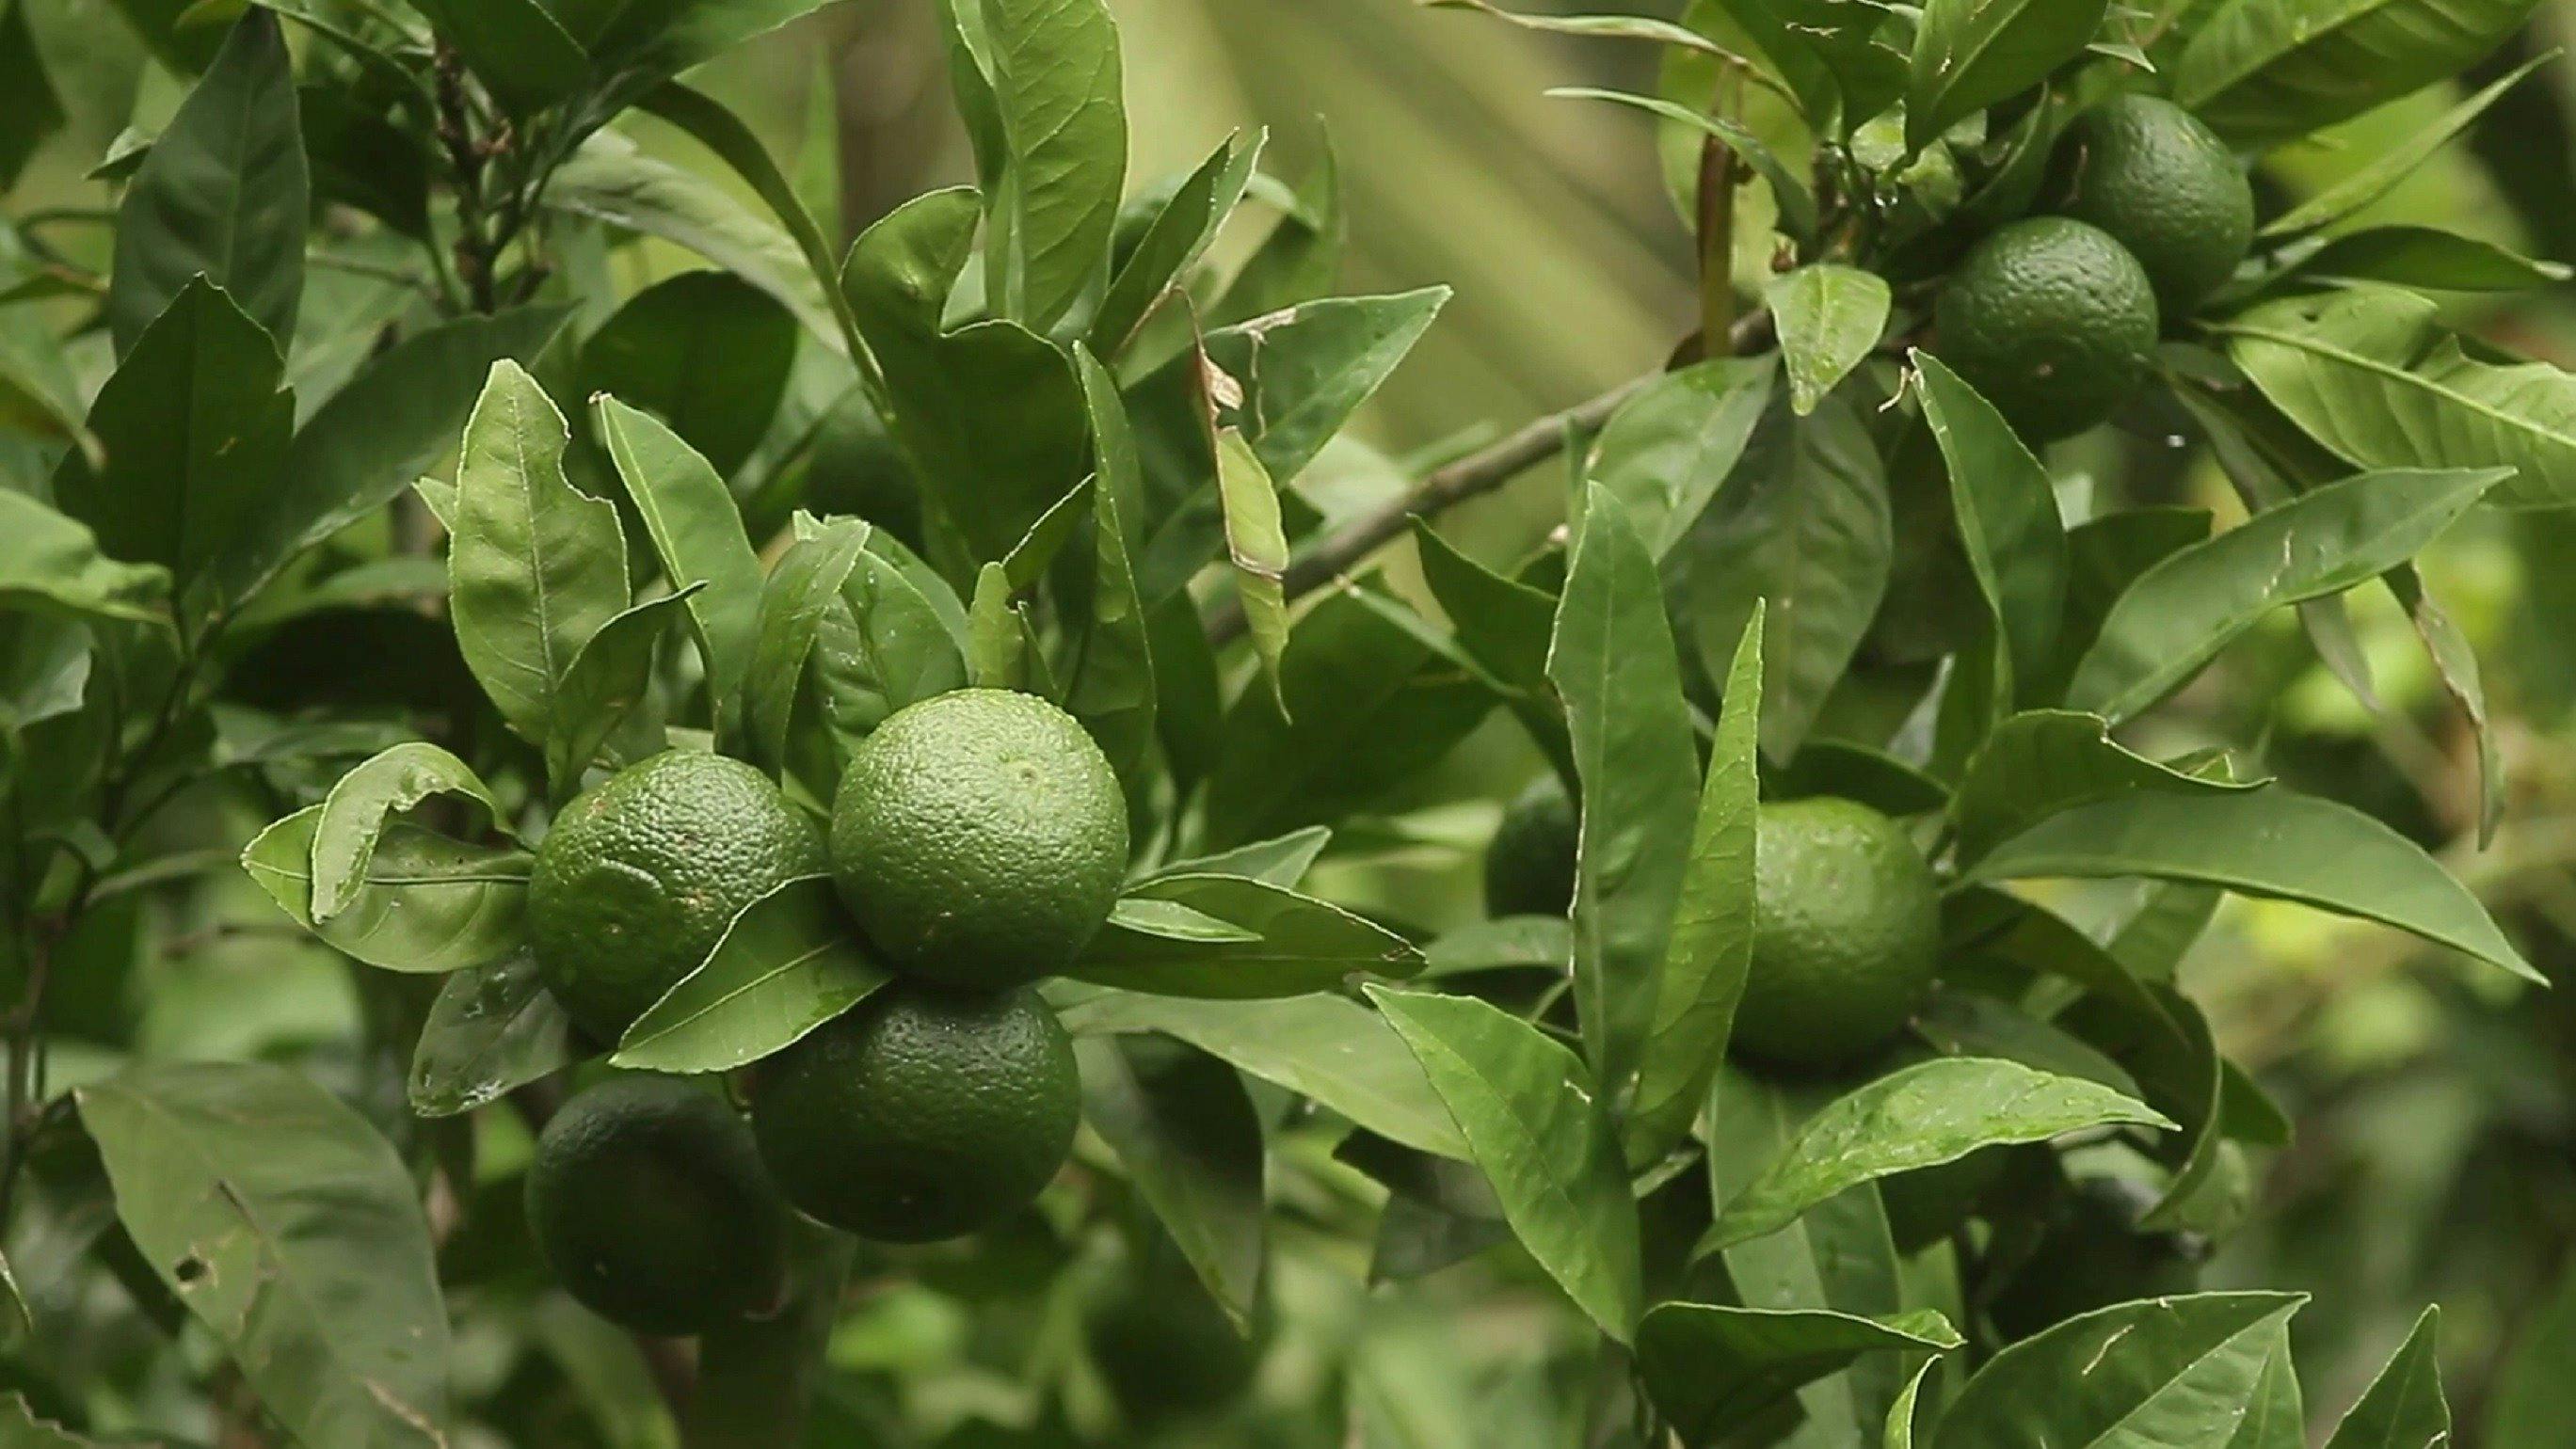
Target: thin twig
{"points": [[1479, 473]]}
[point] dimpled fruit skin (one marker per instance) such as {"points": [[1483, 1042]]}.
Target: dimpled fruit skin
{"points": [[640, 876], [1845, 937], [923, 1114], [979, 837], [2052, 321], [649, 1201], [1529, 867], [2164, 186]]}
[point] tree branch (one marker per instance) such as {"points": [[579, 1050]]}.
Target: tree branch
{"points": [[1478, 473]]}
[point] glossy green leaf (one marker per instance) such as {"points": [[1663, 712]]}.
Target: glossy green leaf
{"points": [[2403, 1408], [1613, 663], [1305, 370], [697, 533], [1112, 690], [1327, 1048], [1281, 860], [50, 562], [1174, 241], [2429, 258], [2276, 1418], [1295, 944], [2263, 71], [2382, 173], [1190, 1140], [2182, 612], [293, 1233], [2535, 1386], [1668, 450], [2369, 373], [1256, 543], [803, 587], [1711, 945], [355, 813], [995, 650], [37, 112], [2036, 764], [1830, 317], [395, 419], [2009, 526], [492, 1029], [2268, 842], [195, 428], [1300, 257], [1709, 1367], [2166, 1371], [536, 566], [223, 194], [609, 680], [1797, 204], [1998, 926], [1536, 1124], [788, 963], [879, 645], [1804, 527], [651, 356], [1969, 54], [1039, 84], [426, 904], [517, 47], [1924, 1115]]}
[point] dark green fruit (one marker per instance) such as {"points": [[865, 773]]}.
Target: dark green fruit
{"points": [[2052, 321], [1529, 867], [2164, 186], [1845, 935]]}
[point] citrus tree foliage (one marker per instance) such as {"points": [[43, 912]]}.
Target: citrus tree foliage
{"points": [[354, 490]]}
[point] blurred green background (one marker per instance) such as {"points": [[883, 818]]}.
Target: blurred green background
{"points": [[2435, 1157]]}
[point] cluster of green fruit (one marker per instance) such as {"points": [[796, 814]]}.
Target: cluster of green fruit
{"points": [[979, 840], [2054, 318], [1847, 920]]}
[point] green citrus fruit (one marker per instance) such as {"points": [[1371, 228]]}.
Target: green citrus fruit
{"points": [[923, 1114], [1846, 928], [2052, 321], [641, 874], [2165, 187], [648, 1200], [2091, 1254], [980, 838], [1529, 867]]}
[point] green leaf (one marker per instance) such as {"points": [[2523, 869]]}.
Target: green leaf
{"points": [[2369, 373], [1830, 316], [1709, 1367], [1535, 1122], [2009, 525], [991, 413], [1329, 1049], [1997, 926], [1256, 544], [2383, 172], [2165, 1371], [1298, 260], [37, 111], [1803, 527], [1969, 54], [1922, 1116], [1902, 1414], [195, 429], [1668, 450], [492, 1029], [2267, 842], [1174, 241], [22, 1428], [2403, 1408], [1039, 83], [879, 646], [1304, 371], [609, 181], [2535, 1388], [355, 814], [2277, 1416], [1188, 1135], [51, 563], [395, 419], [803, 588], [2182, 612], [698, 535], [2263, 71], [222, 194], [2427, 257], [787, 964], [1711, 945], [516, 47], [536, 566], [1613, 663], [1281, 861], [651, 356], [427, 903], [996, 651], [610, 678], [1287, 944], [1112, 690], [293, 1233], [1607, 27], [2036, 764], [1797, 204]]}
